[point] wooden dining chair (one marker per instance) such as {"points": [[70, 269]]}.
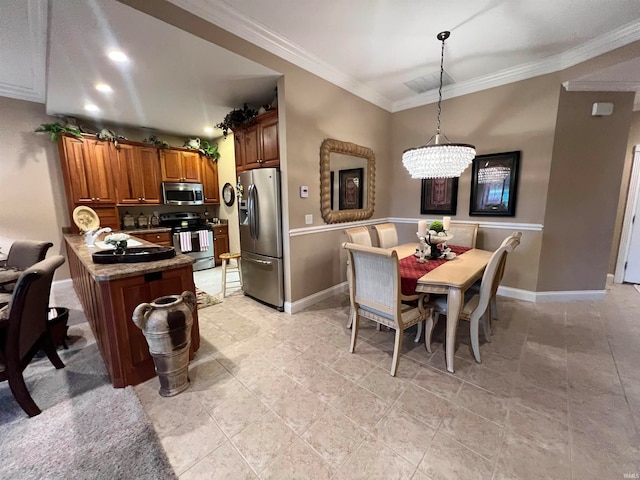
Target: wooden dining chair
{"points": [[24, 332], [387, 235], [360, 236], [511, 241], [477, 307], [377, 296], [464, 234]]}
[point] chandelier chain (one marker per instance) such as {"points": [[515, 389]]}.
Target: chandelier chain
{"points": [[440, 87]]}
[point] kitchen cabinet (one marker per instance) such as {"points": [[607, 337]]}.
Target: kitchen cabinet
{"points": [[87, 170], [138, 175], [159, 238], [256, 146], [220, 241], [210, 184], [180, 165], [87, 166]]}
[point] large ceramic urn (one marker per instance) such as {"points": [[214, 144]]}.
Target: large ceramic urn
{"points": [[166, 324]]}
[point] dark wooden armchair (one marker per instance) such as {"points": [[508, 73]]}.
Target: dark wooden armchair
{"points": [[24, 330], [22, 254]]}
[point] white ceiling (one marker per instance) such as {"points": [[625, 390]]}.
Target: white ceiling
{"points": [[179, 83]]}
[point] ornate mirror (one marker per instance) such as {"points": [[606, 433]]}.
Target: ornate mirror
{"points": [[347, 181]]}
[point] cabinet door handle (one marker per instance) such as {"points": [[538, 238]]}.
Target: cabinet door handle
{"points": [[98, 199], [143, 199]]}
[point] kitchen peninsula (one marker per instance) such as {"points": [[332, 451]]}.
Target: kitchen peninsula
{"points": [[110, 293]]}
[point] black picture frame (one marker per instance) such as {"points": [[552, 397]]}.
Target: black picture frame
{"points": [[332, 189], [228, 194], [494, 184], [439, 196], [350, 189]]}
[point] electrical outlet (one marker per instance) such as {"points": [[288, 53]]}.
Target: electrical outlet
{"points": [[308, 219]]}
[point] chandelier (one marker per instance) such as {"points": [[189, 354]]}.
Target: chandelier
{"points": [[493, 174], [439, 158]]}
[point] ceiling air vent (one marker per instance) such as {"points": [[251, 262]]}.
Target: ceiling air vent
{"points": [[428, 82]]}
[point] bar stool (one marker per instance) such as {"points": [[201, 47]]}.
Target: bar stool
{"points": [[225, 257]]}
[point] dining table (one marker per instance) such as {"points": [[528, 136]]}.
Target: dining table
{"points": [[450, 277]]}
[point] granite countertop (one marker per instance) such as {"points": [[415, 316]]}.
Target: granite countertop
{"points": [[107, 272]]}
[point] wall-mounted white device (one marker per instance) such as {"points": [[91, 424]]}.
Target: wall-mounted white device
{"points": [[304, 191], [601, 109]]}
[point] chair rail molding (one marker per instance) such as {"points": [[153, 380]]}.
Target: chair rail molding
{"points": [[295, 232]]}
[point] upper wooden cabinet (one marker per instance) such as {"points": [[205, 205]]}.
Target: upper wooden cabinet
{"points": [[257, 145], [87, 166], [138, 175], [210, 184], [180, 166]]}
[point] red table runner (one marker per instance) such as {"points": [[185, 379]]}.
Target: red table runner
{"points": [[411, 270]]}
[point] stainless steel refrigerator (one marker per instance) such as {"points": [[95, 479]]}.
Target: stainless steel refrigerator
{"points": [[260, 215]]}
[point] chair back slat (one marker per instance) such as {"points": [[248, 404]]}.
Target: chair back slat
{"points": [[358, 235], [464, 234], [387, 235], [377, 279]]}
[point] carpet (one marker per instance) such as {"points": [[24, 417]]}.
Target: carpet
{"points": [[206, 300], [637, 287], [87, 428]]}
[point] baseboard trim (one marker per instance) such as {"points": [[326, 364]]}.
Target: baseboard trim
{"points": [[570, 296], [548, 297], [517, 294], [306, 302]]}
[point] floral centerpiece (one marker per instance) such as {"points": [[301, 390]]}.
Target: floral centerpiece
{"points": [[119, 241]]}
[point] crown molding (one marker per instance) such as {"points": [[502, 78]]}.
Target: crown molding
{"points": [[228, 18], [222, 14], [36, 57], [600, 86]]}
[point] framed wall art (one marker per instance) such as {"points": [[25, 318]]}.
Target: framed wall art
{"points": [[439, 196], [350, 190], [494, 184]]}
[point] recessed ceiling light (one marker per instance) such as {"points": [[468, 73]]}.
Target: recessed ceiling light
{"points": [[103, 87], [208, 130], [90, 107], [118, 56]]}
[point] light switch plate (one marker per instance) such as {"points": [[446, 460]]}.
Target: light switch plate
{"points": [[304, 191], [308, 219]]}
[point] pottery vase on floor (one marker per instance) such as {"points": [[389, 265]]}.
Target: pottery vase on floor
{"points": [[166, 325]]}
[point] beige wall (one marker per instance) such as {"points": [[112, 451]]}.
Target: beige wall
{"points": [[519, 116], [632, 141], [227, 173], [586, 173], [32, 201]]}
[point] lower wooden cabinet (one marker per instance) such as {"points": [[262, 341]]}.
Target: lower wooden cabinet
{"points": [[161, 238], [220, 241]]}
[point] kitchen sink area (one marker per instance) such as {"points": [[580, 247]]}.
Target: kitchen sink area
{"points": [[135, 255]]}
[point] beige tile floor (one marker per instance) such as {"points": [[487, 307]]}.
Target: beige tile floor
{"points": [[275, 396]]}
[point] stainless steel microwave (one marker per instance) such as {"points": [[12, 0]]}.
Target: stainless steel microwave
{"points": [[182, 193]]}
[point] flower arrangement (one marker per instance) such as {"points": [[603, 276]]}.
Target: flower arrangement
{"points": [[119, 241]]}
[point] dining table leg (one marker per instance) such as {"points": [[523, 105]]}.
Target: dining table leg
{"points": [[454, 307]]}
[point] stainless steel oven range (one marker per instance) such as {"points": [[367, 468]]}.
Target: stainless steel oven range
{"points": [[191, 236]]}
